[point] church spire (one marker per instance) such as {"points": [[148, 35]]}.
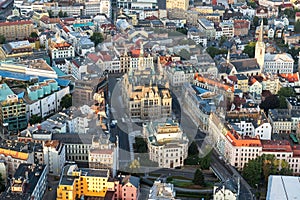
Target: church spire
{"points": [[260, 48], [228, 56], [141, 49], [261, 32]]}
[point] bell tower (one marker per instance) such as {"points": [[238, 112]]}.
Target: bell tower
{"points": [[260, 48]]}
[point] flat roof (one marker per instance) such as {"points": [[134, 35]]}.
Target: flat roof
{"points": [[283, 187], [5, 91]]}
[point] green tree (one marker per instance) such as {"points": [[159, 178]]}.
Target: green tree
{"points": [[270, 102], [294, 53], [297, 27], [60, 14], [66, 101], [97, 38], [250, 49], [252, 172], [34, 119], [140, 145], [255, 21], [212, 51], [193, 149], [286, 92], [50, 13], [169, 179], [258, 170], [182, 30], [265, 21], [134, 166], [283, 93], [205, 161], [34, 35], [198, 178], [290, 13], [65, 14], [223, 39], [2, 39], [184, 54], [252, 3]]}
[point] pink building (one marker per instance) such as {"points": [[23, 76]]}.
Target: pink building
{"points": [[126, 188]]}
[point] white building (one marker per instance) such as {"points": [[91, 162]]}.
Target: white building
{"points": [[280, 120], [58, 48], [165, 191], [104, 154], [179, 74], [255, 87], [261, 128], [227, 190], [84, 46], [43, 103], [278, 63], [77, 67], [36, 67], [197, 37], [54, 156], [167, 143], [77, 147], [227, 29], [207, 27], [95, 7]]}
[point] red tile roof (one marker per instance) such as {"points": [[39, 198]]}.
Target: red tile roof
{"points": [[277, 145], [241, 24], [290, 77], [48, 20], [22, 22], [93, 57]]}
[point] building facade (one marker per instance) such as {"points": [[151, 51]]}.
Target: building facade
{"points": [[180, 4], [12, 110], [17, 30], [167, 143], [278, 63]]}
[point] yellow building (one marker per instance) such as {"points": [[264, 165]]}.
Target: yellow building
{"points": [[75, 183], [17, 30], [204, 9], [181, 4], [16, 49], [242, 82], [38, 14]]}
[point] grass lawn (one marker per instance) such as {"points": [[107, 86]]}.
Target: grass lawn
{"points": [[181, 178], [153, 174], [182, 184], [206, 197]]}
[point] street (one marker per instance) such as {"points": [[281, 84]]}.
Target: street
{"points": [[116, 113], [50, 193]]}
